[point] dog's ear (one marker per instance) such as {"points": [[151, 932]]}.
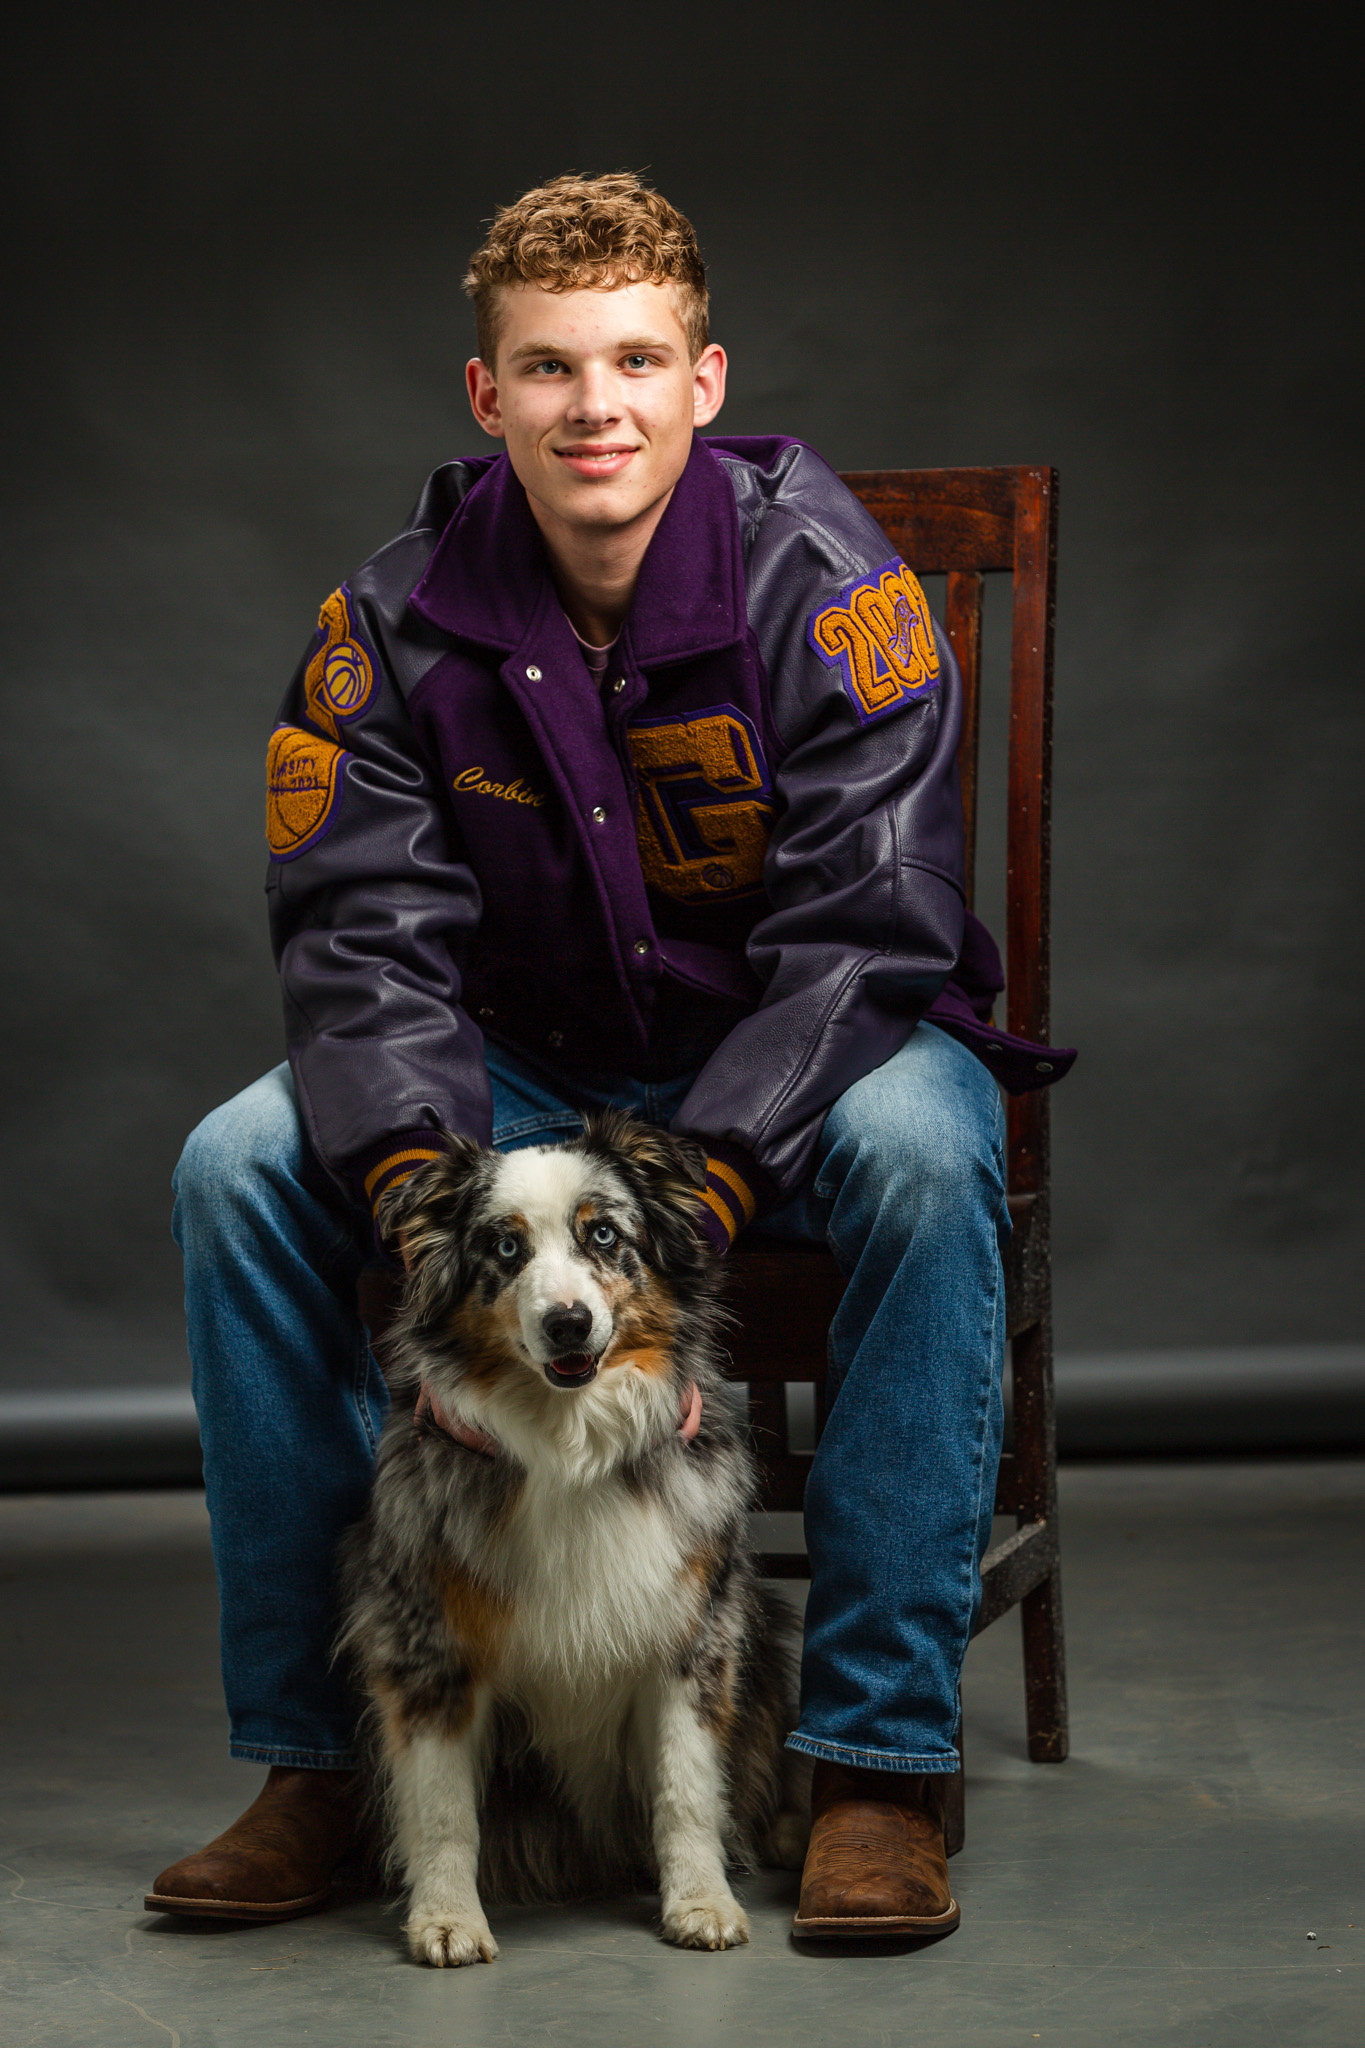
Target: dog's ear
{"points": [[667, 1173], [423, 1219], [674, 1166]]}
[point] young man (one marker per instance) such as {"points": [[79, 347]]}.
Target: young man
{"points": [[625, 774]]}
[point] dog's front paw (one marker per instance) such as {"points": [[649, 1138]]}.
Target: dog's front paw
{"points": [[450, 1939], [715, 1922]]}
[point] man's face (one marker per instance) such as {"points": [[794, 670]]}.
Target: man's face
{"points": [[596, 399]]}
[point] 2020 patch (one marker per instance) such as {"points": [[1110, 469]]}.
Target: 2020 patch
{"points": [[304, 778], [704, 813], [880, 637], [339, 680]]}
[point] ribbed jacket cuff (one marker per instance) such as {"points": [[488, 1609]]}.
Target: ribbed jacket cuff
{"points": [[384, 1166], [736, 1190]]}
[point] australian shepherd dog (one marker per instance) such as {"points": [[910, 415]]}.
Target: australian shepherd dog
{"points": [[577, 1681]]}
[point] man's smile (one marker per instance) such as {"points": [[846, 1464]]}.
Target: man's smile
{"points": [[596, 459]]}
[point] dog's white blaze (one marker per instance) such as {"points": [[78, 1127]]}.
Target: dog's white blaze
{"points": [[547, 1187]]}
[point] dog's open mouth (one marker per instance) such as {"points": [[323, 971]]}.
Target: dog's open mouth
{"points": [[575, 1369]]}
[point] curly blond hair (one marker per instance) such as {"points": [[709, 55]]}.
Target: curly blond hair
{"points": [[597, 233]]}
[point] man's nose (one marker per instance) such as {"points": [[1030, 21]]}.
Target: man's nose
{"points": [[595, 398]]}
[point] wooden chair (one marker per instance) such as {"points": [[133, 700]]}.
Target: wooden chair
{"points": [[967, 524]]}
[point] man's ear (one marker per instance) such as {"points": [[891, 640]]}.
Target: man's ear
{"points": [[708, 384], [423, 1218], [483, 396]]}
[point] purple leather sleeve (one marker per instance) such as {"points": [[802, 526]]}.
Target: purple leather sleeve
{"points": [[369, 922], [864, 869]]}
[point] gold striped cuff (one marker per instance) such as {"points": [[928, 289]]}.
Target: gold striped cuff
{"points": [[411, 1157]]}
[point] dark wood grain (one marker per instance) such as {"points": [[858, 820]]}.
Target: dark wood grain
{"points": [[1029, 821], [940, 520], [1013, 1568], [1027, 1269], [962, 622], [1035, 1477], [1006, 1490], [785, 1297]]}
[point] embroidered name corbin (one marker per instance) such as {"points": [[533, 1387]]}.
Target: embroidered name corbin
{"points": [[473, 782]]}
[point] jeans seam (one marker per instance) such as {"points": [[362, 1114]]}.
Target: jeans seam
{"points": [[945, 1761], [290, 1758], [364, 1360], [973, 1573], [535, 1123]]}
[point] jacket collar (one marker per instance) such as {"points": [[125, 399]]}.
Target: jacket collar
{"points": [[486, 578]]}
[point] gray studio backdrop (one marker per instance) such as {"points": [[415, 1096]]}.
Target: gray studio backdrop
{"points": [[937, 236]]}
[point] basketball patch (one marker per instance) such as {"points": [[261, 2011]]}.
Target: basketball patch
{"points": [[304, 777], [879, 637], [704, 811], [339, 680]]}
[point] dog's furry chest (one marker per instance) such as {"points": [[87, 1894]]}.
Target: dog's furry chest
{"points": [[599, 1592]]}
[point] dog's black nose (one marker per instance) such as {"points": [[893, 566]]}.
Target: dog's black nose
{"points": [[566, 1328]]}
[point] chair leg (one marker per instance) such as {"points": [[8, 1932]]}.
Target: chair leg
{"points": [[1045, 1672]]}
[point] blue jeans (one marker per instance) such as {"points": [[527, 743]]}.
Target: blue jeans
{"points": [[909, 1194]]}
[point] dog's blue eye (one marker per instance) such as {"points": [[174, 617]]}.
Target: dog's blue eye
{"points": [[507, 1247], [603, 1234]]}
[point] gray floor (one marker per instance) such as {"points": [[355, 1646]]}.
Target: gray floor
{"points": [[1194, 1874]]}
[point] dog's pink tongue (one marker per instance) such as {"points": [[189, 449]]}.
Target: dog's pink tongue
{"points": [[689, 1413]]}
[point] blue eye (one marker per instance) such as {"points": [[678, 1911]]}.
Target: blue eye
{"points": [[604, 1235], [507, 1247]]}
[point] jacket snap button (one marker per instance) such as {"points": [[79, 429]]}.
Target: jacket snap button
{"points": [[618, 686], [556, 1039], [533, 674], [1044, 1066], [599, 814], [642, 945]]}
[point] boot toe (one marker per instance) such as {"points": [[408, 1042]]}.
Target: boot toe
{"points": [[277, 1861], [875, 1867]]}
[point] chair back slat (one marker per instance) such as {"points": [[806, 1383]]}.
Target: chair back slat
{"points": [[968, 524], [962, 621], [943, 519], [1028, 925]]}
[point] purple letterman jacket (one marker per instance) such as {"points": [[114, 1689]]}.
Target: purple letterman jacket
{"points": [[744, 855]]}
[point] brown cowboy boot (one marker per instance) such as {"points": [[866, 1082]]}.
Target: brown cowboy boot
{"points": [[876, 1865], [276, 1861]]}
